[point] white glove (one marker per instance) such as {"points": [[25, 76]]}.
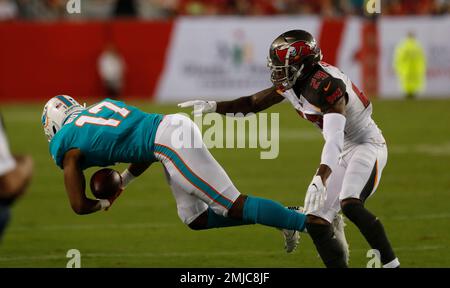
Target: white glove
{"points": [[200, 106], [104, 204], [315, 196]]}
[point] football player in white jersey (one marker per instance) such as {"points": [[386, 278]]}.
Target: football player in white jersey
{"points": [[354, 153], [15, 175]]}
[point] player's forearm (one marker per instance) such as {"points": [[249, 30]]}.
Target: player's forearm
{"points": [[84, 205], [324, 172], [90, 206], [138, 168], [133, 171], [75, 184], [241, 105], [254, 103]]}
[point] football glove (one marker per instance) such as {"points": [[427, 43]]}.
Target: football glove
{"points": [[200, 106], [315, 196]]}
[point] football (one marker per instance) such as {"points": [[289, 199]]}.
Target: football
{"points": [[105, 183]]}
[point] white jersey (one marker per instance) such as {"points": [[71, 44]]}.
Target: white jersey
{"points": [[364, 153], [7, 162], [359, 127]]}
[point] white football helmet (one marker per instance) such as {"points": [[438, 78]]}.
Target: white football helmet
{"points": [[56, 112]]}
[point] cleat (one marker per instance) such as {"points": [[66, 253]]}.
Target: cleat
{"points": [[291, 237], [291, 240], [338, 226]]}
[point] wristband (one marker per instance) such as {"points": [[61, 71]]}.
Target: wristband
{"points": [[127, 177], [213, 105], [104, 203]]}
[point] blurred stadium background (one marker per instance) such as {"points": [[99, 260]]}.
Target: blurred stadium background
{"points": [[155, 53]]}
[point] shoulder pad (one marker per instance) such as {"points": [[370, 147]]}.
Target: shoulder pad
{"points": [[331, 90]]}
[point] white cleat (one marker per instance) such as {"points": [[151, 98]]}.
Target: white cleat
{"points": [[291, 237], [338, 226]]}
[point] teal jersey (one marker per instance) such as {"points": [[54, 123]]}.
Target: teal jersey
{"points": [[107, 133]]}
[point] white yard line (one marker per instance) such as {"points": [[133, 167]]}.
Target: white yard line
{"points": [[441, 149]]}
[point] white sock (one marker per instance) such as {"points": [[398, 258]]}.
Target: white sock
{"points": [[127, 177], [393, 264]]}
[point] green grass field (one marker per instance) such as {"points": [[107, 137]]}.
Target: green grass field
{"points": [[143, 230]]}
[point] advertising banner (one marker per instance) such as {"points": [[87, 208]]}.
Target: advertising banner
{"points": [[222, 58]]}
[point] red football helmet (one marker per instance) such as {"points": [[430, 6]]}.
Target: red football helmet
{"points": [[292, 56]]}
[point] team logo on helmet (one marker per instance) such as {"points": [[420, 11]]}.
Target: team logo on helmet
{"points": [[292, 56], [296, 50]]}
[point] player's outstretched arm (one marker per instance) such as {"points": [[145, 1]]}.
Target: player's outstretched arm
{"points": [[75, 183], [253, 103]]}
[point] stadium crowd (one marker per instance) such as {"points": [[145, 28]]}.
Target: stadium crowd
{"points": [[151, 9]]}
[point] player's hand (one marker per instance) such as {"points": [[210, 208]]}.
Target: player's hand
{"points": [[315, 196], [200, 106], [112, 199]]}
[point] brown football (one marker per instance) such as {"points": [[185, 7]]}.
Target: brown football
{"points": [[105, 183]]}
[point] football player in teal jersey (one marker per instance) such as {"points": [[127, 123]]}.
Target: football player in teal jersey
{"points": [[111, 132]]}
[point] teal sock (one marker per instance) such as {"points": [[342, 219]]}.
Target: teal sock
{"points": [[217, 221], [271, 213]]}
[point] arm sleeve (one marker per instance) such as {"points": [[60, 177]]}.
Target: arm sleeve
{"points": [[333, 132]]}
